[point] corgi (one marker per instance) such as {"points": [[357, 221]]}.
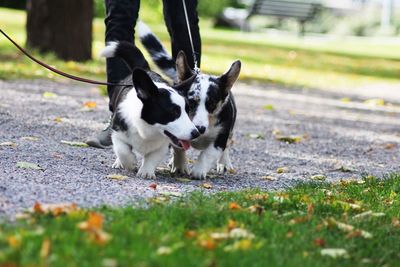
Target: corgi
{"points": [[212, 107], [148, 116]]}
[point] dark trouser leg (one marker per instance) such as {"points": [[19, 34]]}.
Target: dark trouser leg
{"points": [[121, 16], [176, 24]]}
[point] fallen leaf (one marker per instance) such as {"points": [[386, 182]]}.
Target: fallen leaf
{"points": [[368, 214], [268, 107], [232, 171], [49, 95], [58, 119], [183, 180], [14, 241], [207, 185], [93, 225], [11, 144], [234, 206], [390, 146], [298, 220], [153, 186], [318, 177], [256, 136], [289, 234], [269, 178], [190, 234], [231, 224], [257, 209], [90, 104], [238, 233], [289, 139], [28, 165], [244, 244], [335, 253], [30, 138], [54, 209], [344, 169], [45, 249], [282, 170], [73, 143], [208, 244], [117, 176], [350, 229], [374, 102], [345, 100], [164, 250], [319, 242], [396, 222]]}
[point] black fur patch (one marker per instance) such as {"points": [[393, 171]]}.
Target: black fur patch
{"points": [[155, 48], [160, 109]]}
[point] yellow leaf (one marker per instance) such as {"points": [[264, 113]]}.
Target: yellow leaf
{"points": [[58, 119], [207, 185], [11, 144], [49, 95], [318, 177], [269, 178], [90, 104], [234, 206], [45, 249], [345, 100], [374, 102], [14, 241], [74, 143], [117, 176], [282, 170]]}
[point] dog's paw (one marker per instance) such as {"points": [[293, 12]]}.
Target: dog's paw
{"points": [[117, 164], [146, 174], [198, 173], [222, 168], [178, 167]]}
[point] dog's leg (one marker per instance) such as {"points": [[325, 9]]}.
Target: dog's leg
{"points": [[151, 161], [178, 162], [224, 163], [207, 159], [125, 157]]}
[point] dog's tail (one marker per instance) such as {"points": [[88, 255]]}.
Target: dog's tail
{"points": [[132, 56], [156, 50]]}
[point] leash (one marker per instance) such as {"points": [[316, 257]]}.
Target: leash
{"points": [[196, 68], [72, 77]]}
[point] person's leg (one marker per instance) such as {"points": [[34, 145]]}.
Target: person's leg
{"points": [[175, 21], [121, 16]]}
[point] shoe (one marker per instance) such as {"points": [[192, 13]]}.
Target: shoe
{"points": [[102, 139]]}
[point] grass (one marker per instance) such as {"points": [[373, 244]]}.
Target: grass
{"points": [[287, 228], [291, 61]]}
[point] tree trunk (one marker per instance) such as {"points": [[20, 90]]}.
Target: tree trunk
{"points": [[61, 26]]}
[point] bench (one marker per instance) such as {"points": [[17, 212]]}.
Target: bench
{"points": [[302, 11]]}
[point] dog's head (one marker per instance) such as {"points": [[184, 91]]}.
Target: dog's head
{"points": [[165, 109], [207, 94]]}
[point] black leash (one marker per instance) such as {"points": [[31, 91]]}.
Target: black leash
{"points": [[76, 78]]}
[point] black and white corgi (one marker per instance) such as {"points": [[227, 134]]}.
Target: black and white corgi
{"points": [[211, 107], [148, 116]]}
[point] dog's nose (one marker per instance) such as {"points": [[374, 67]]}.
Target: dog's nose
{"points": [[195, 134], [201, 129]]}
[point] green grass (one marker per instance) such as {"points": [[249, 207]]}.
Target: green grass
{"points": [[289, 228], [286, 60]]}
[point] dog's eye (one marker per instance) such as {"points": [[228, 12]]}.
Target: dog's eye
{"points": [[192, 104], [176, 111], [211, 106]]}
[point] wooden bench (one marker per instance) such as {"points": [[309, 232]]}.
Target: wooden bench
{"points": [[302, 11]]}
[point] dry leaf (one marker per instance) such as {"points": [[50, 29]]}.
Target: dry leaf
{"points": [[289, 139], [45, 249], [90, 104], [163, 250], [368, 214], [234, 206], [93, 225], [207, 185], [14, 241], [396, 222], [335, 252], [319, 242], [244, 244], [73, 143], [11, 144], [153, 186], [269, 178], [28, 165], [282, 170], [49, 95], [257, 209], [318, 177], [231, 224], [190, 234], [117, 176], [58, 119], [30, 138], [268, 107], [183, 180], [256, 136], [374, 102], [208, 244], [54, 209]]}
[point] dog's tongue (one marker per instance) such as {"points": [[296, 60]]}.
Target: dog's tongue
{"points": [[185, 144]]}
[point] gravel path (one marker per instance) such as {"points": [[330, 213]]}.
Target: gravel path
{"points": [[336, 136]]}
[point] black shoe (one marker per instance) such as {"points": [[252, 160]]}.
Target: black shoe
{"points": [[102, 139]]}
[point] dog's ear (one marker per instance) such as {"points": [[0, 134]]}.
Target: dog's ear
{"points": [[144, 86], [182, 67], [184, 86], [229, 78]]}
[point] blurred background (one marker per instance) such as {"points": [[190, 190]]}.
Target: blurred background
{"points": [[309, 44]]}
